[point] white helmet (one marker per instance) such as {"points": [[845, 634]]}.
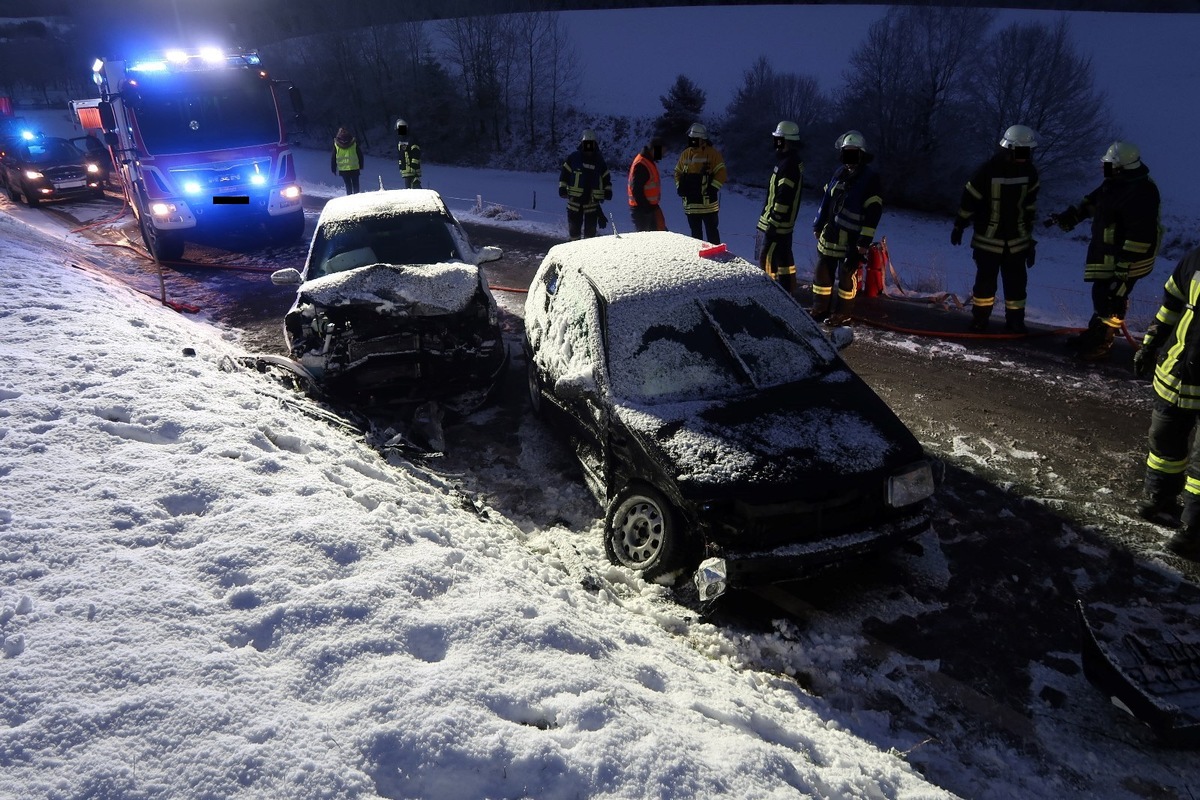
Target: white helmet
{"points": [[851, 139], [589, 135], [401, 127], [787, 130], [1122, 155], [697, 131], [1018, 136]]}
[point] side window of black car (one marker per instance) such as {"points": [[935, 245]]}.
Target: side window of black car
{"points": [[551, 282]]}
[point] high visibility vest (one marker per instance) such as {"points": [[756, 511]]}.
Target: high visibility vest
{"points": [[346, 157], [653, 188]]}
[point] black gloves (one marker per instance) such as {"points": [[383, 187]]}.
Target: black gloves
{"points": [[562, 191], [1031, 255], [1067, 220], [608, 194], [711, 194], [1144, 361], [601, 220], [956, 236]]}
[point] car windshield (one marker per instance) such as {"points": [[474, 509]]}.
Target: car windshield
{"points": [[400, 238], [665, 350], [51, 151], [193, 112]]}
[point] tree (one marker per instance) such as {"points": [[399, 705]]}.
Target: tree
{"points": [[682, 105], [764, 99], [1031, 75]]}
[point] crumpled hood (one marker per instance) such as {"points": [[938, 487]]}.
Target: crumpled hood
{"points": [[802, 440], [425, 290]]}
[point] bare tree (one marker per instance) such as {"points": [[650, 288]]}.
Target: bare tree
{"points": [[1032, 75], [476, 46]]}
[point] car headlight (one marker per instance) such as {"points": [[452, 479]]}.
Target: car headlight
{"points": [[33, 174], [911, 486], [93, 169]]}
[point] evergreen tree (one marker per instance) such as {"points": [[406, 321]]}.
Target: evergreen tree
{"points": [[682, 105]]}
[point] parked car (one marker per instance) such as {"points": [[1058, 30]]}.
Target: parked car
{"points": [[48, 168], [392, 306], [98, 154], [712, 418]]}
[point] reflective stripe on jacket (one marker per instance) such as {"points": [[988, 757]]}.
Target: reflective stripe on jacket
{"points": [[699, 170], [1001, 200], [410, 159], [849, 212], [1125, 226], [783, 195], [587, 181], [1176, 336], [648, 190]]}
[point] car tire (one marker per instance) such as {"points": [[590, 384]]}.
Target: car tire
{"points": [[32, 200], [643, 534], [535, 386]]}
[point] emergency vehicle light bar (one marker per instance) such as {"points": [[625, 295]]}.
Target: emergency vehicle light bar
{"points": [[205, 58]]}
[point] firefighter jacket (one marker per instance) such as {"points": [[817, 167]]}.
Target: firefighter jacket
{"points": [[410, 159], [1175, 337], [645, 188], [699, 174], [585, 179], [346, 156], [1001, 200], [849, 212], [1125, 226], [783, 195]]}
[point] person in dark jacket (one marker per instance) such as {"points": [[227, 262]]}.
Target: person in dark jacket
{"points": [[1170, 353], [585, 182], [845, 227], [1125, 236], [778, 219], [347, 159], [409, 157], [1000, 200], [645, 189]]}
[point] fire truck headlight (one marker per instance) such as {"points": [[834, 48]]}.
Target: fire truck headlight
{"points": [[258, 179], [291, 192], [92, 169], [192, 187], [162, 209], [33, 174]]}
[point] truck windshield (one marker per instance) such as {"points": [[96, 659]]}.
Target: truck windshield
{"points": [[193, 112]]}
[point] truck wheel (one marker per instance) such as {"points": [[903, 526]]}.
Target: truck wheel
{"points": [[161, 246], [641, 533]]}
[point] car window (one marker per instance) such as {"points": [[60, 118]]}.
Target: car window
{"points": [[689, 348], [406, 238], [50, 152]]}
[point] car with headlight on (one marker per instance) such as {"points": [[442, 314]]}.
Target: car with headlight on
{"points": [[392, 306], [713, 419], [42, 168]]}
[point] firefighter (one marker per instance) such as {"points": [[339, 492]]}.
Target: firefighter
{"points": [[844, 228], [410, 157], [645, 189], [1125, 235], [699, 176], [1170, 353], [1001, 201], [585, 183], [778, 219], [347, 159]]}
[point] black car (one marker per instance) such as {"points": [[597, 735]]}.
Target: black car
{"points": [[98, 154], [713, 419], [392, 307], [44, 168]]}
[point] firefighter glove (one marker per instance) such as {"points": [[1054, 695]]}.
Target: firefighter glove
{"points": [[1031, 255], [601, 220], [1067, 220], [1144, 360], [956, 236], [562, 191]]}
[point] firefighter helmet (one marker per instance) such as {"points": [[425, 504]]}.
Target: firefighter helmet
{"points": [[787, 130], [588, 135], [1018, 136], [401, 127], [851, 139], [697, 131], [1122, 155]]}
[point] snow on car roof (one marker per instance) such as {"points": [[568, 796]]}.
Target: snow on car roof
{"points": [[654, 262], [426, 290], [388, 201]]}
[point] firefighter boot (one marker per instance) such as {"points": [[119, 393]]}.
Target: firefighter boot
{"points": [[1014, 320], [1099, 350], [1186, 543], [1088, 338], [843, 315], [1161, 509], [979, 318]]}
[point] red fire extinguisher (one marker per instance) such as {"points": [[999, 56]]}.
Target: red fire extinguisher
{"points": [[876, 260]]}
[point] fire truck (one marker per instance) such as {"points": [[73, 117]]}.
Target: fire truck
{"points": [[199, 145]]}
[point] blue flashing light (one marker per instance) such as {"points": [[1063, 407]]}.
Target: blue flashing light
{"points": [[149, 66], [28, 136], [258, 179], [192, 187]]}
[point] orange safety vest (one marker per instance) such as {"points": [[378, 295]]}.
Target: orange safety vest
{"points": [[652, 189]]}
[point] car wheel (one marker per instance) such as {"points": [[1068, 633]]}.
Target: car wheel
{"points": [[641, 533], [535, 386], [32, 200]]}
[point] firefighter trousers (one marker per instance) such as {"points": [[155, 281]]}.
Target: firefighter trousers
{"points": [[845, 270], [1173, 464]]}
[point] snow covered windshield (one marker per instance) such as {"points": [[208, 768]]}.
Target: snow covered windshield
{"points": [[399, 238], [194, 112], [664, 349]]}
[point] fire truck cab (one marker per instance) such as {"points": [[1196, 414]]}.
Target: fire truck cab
{"points": [[199, 144]]}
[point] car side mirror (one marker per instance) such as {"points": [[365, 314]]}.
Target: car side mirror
{"points": [[489, 253], [841, 337], [286, 277], [578, 385]]}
